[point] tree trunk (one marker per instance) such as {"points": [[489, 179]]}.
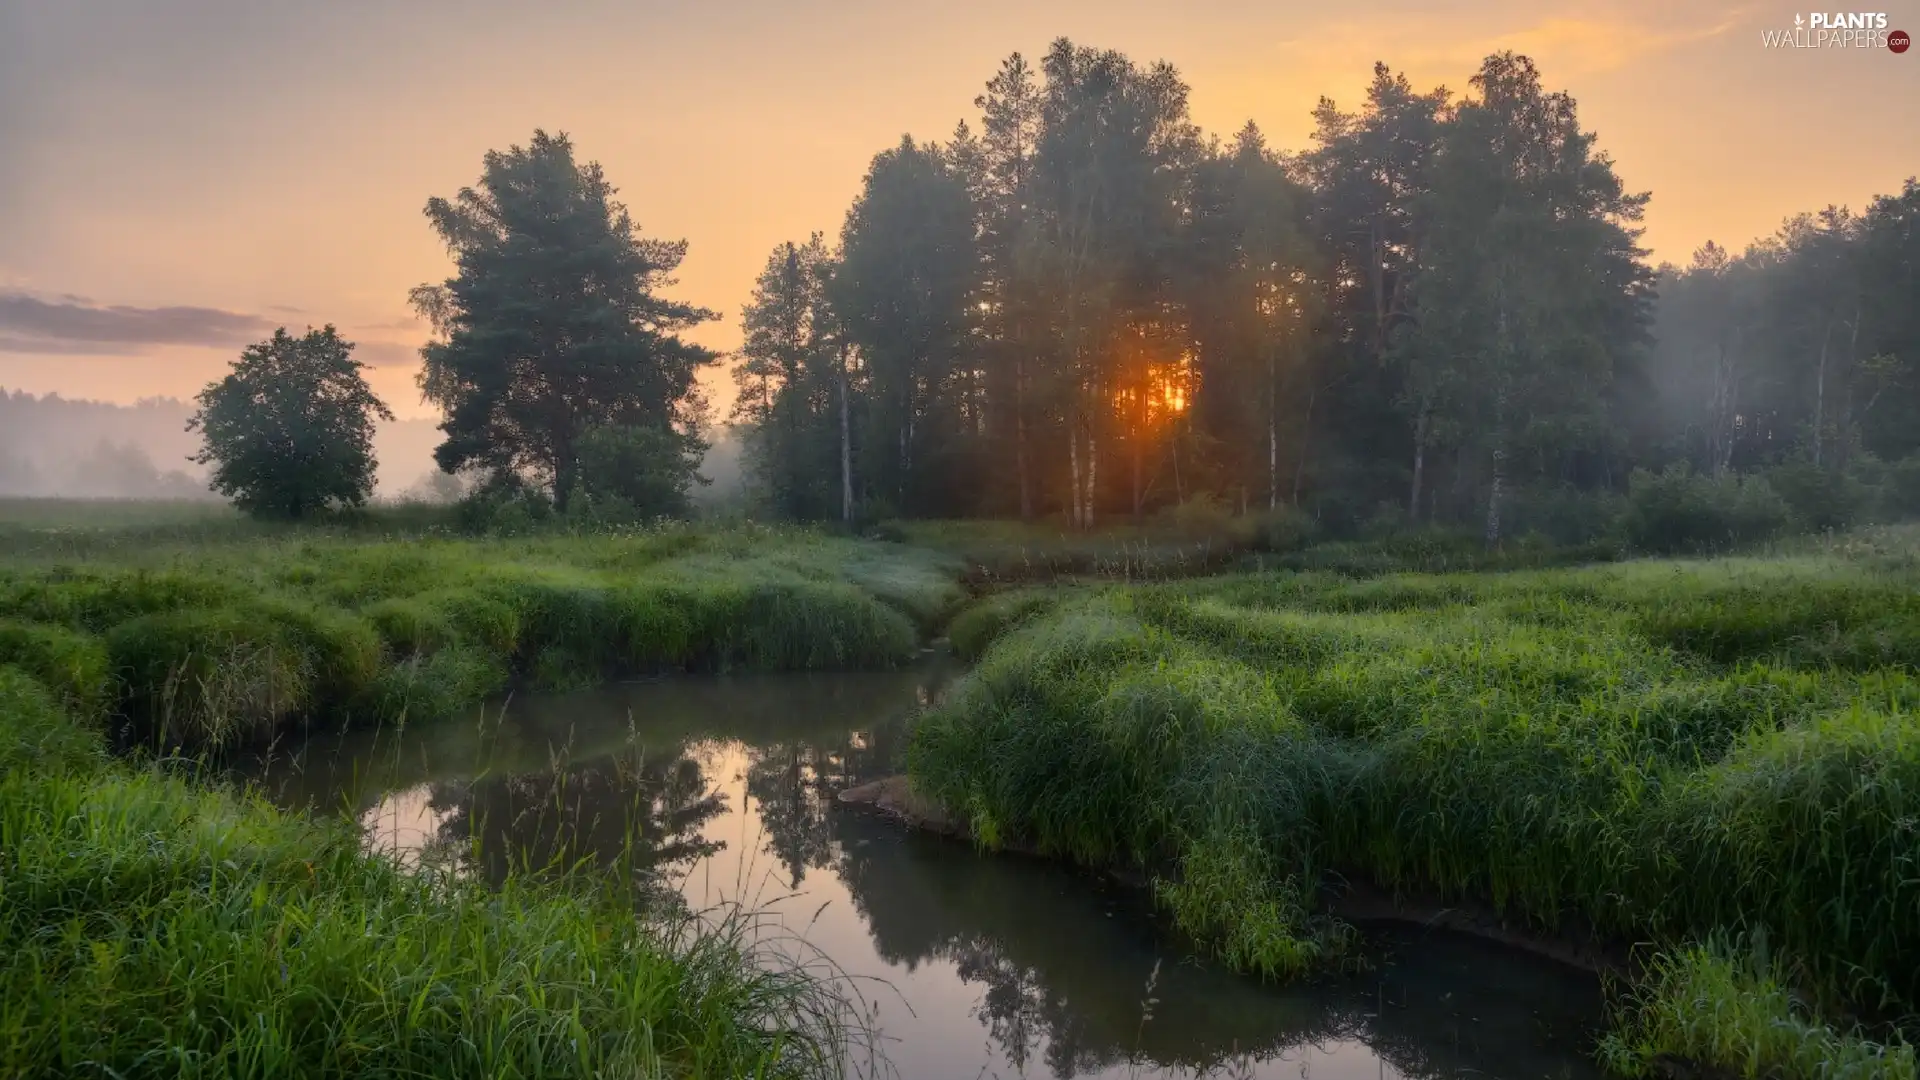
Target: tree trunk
{"points": [[1093, 469], [1179, 489], [1376, 275], [1139, 494], [1306, 436], [1419, 464], [1844, 423], [1820, 397], [1075, 517], [1493, 498], [1020, 439], [1273, 438], [846, 446]]}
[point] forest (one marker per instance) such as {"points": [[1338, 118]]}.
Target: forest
{"points": [[1082, 305]]}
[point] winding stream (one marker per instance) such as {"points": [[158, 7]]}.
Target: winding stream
{"points": [[973, 965]]}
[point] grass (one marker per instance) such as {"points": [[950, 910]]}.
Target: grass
{"points": [[213, 644], [1723, 1009], [152, 927], [1663, 750]]}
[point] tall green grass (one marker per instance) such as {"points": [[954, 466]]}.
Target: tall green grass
{"points": [[150, 927], [221, 644], [1663, 751]]}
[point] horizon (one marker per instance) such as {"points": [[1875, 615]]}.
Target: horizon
{"points": [[164, 201]]}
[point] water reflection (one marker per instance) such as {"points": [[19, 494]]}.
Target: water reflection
{"points": [[721, 789]]}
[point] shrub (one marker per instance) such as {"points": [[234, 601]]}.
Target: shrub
{"points": [[1677, 511], [503, 507], [1283, 529], [1820, 500], [1899, 498], [1564, 515], [1200, 517]]}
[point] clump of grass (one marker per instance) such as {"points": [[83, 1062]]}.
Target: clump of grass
{"points": [[74, 665], [986, 620], [1255, 920], [1721, 1008], [209, 676], [36, 735]]}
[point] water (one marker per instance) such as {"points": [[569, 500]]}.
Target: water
{"points": [[975, 966]]}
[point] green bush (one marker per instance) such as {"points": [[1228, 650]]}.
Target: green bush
{"points": [[1564, 515], [1283, 529], [503, 507], [1820, 500], [1899, 498], [1678, 511]]}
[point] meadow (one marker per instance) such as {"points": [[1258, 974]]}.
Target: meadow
{"points": [[1714, 761]]}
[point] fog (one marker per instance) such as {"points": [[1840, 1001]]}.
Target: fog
{"points": [[55, 447]]}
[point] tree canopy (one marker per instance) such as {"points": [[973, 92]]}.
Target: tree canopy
{"points": [[553, 326], [289, 431]]}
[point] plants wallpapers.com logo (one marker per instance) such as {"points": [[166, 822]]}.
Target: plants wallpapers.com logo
{"points": [[1838, 30]]}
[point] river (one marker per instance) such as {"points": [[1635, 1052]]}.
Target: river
{"points": [[970, 965]]}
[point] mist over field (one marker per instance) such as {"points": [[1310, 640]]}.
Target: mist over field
{"points": [[64, 448], [56, 447]]}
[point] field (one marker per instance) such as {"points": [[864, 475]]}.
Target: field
{"points": [[1716, 758], [1714, 763]]}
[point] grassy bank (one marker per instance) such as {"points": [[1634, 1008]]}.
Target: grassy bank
{"points": [[149, 927], [154, 926], [1664, 750], [207, 644]]}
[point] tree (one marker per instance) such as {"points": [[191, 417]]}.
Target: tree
{"points": [[792, 400], [1115, 149], [552, 325], [905, 278], [638, 471], [290, 430]]}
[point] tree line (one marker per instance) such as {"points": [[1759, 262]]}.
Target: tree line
{"points": [[1084, 306], [1079, 304]]}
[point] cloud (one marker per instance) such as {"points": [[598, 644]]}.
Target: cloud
{"points": [[386, 353], [1601, 39], [68, 326], [56, 347]]}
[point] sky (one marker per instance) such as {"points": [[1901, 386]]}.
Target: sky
{"points": [[179, 177]]}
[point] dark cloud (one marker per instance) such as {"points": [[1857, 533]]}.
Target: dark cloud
{"points": [[65, 326], [386, 353], [56, 347]]}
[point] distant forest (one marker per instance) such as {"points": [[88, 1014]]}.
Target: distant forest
{"points": [[1081, 304], [54, 446]]}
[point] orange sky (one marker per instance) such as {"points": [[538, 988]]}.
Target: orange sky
{"points": [[269, 160]]}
